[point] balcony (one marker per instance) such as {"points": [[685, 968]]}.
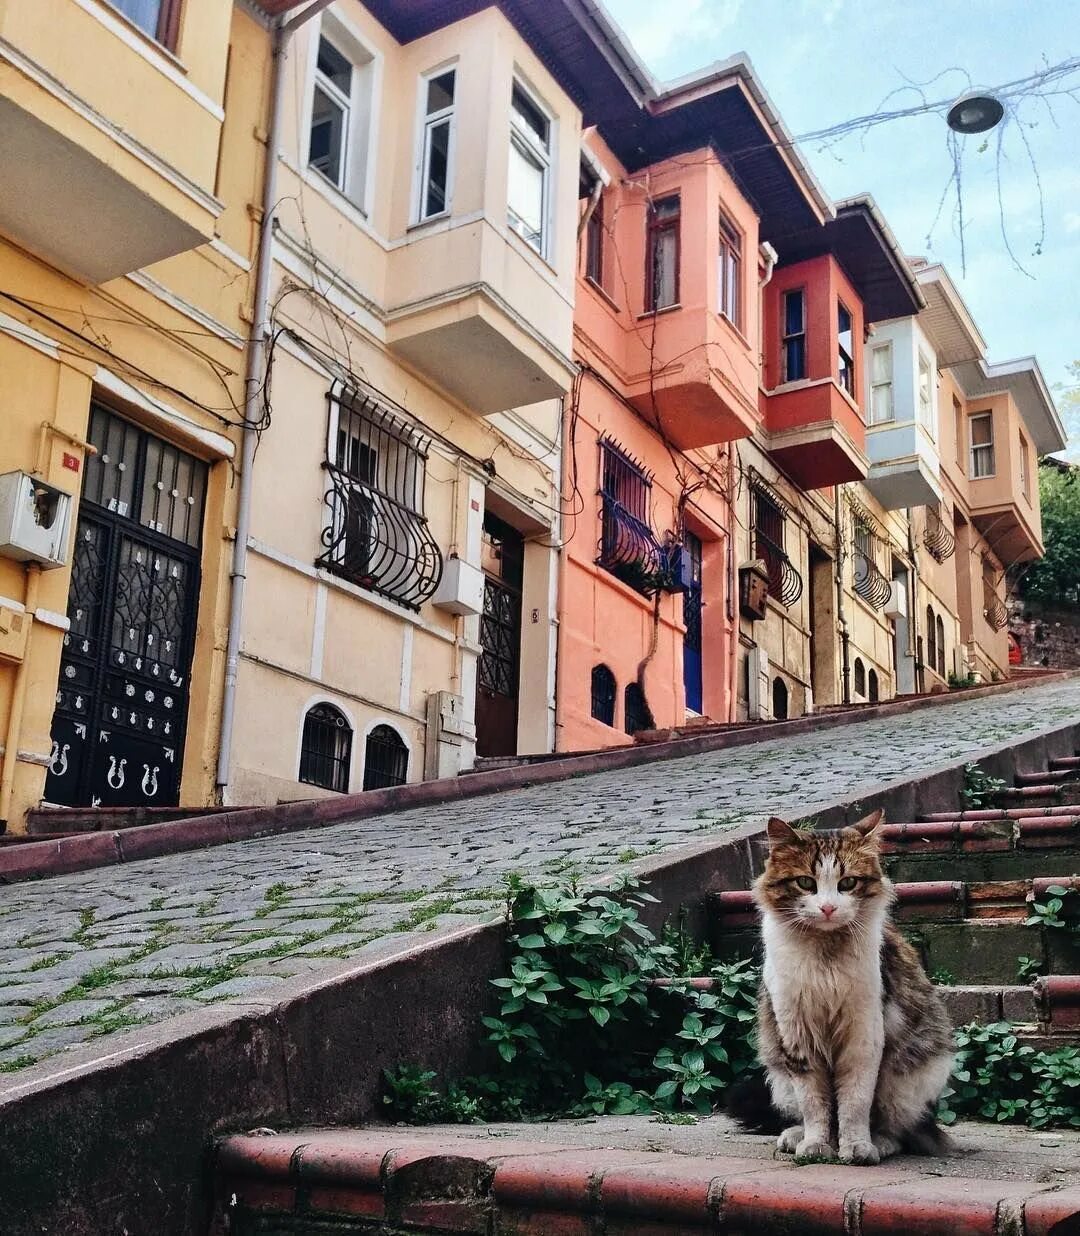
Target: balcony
{"points": [[705, 395], [477, 314], [815, 433], [1002, 519], [904, 466], [109, 151]]}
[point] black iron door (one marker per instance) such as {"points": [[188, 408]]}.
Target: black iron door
{"points": [[121, 702], [500, 640]]}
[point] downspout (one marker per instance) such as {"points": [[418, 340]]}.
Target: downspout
{"points": [[916, 660], [253, 378], [18, 697], [841, 616]]}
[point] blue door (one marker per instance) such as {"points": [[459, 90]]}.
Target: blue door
{"points": [[692, 620]]}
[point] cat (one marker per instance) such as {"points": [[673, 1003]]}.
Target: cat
{"points": [[854, 1037]]}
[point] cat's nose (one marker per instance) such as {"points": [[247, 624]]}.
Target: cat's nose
{"points": [[828, 909]]}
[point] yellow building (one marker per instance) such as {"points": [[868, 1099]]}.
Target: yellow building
{"points": [[126, 241]]}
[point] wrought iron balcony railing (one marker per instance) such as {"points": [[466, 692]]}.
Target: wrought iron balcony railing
{"points": [[869, 582], [785, 582], [996, 613], [939, 541], [628, 548], [378, 543]]}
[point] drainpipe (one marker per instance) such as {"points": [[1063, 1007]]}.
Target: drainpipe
{"points": [[18, 697], [602, 181], [253, 378], [841, 617], [916, 660]]}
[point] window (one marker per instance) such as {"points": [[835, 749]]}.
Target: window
{"points": [[377, 535], [436, 143], [386, 759], [958, 418], [860, 677], [729, 298], [982, 444], [845, 349], [1025, 468], [872, 690], [594, 244], [926, 397], [881, 384], [993, 609], [530, 170], [794, 337], [779, 699], [325, 748], [940, 627], [636, 709], [662, 255], [603, 694], [160, 19], [931, 639], [628, 548], [785, 582], [330, 110]]}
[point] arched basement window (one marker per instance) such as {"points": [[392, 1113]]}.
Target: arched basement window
{"points": [[603, 694], [386, 759], [860, 677], [779, 699], [326, 748], [940, 646], [872, 682], [931, 639]]}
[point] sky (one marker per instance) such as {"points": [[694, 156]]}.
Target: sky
{"points": [[826, 61]]}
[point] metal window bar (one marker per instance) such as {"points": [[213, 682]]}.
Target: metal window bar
{"points": [[377, 535], [628, 548], [325, 748], [868, 581], [994, 608], [636, 712], [603, 694], [785, 582], [386, 759], [939, 541]]}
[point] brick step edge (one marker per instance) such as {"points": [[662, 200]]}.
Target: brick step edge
{"points": [[386, 1180]]}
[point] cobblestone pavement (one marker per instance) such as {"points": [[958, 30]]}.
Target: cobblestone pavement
{"points": [[86, 954]]}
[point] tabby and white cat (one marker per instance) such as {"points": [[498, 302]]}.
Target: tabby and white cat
{"points": [[854, 1038]]}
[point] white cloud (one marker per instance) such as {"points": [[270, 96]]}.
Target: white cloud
{"points": [[658, 31]]}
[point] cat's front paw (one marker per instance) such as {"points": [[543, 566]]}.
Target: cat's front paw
{"points": [[787, 1142], [812, 1149], [862, 1152]]}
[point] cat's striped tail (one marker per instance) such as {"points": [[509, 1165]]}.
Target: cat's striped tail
{"points": [[749, 1103]]}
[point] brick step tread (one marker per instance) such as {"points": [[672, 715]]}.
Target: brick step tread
{"points": [[45, 823], [1065, 761], [1000, 813], [1053, 777], [977, 836], [371, 1180]]}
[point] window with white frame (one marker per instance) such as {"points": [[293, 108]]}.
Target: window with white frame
{"points": [[340, 110], [1025, 468], [926, 396], [530, 170], [881, 384], [436, 143], [730, 291], [845, 358], [981, 428]]}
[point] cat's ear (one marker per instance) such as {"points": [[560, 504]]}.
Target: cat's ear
{"points": [[781, 833], [867, 827]]}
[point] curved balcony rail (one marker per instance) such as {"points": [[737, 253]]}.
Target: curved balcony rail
{"points": [[378, 543], [785, 582], [996, 613], [939, 541], [629, 550], [869, 582]]}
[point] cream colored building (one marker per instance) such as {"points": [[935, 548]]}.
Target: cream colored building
{"points": [[400, 609]]}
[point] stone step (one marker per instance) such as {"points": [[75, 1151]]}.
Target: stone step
{"points": [[1066, 761], [1001, 813], [554, 1180], [1054, 777]]}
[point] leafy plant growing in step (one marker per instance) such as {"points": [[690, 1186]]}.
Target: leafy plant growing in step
{"points": [[979, 788], [958, 680], [943, 977], [1027, 969], [1049, 913]]}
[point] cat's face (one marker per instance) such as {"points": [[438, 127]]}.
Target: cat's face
{"points": [[823, 881]]}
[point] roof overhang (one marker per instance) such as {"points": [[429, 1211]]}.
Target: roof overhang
{"points": [[1023, 380], [946, 320], [862, 242]]}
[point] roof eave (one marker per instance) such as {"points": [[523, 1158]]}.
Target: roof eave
{"points": [[937, 273], [888, 242]]}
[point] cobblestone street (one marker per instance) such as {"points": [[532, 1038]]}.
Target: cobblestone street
{"points": [[87, 954]]}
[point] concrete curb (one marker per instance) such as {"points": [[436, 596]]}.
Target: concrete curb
{"points": [[82, 851], [384, 1180], [113, 1135]]}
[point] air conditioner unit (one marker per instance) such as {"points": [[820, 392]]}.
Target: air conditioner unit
{"points": [[759, 692], [461, 589], [35, 519], [896, 605]]}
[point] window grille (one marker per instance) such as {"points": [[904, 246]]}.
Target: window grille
{"points": [[869, 582], [386, 759], [939, 541], [993, 608], [636, 709], [603, 694], [628, 548], [769, 519], [325, 748], [377, 535]]}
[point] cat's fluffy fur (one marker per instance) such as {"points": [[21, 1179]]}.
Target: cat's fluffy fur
{"points": [[854, 1038]]}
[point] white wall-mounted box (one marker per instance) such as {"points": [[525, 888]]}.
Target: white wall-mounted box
{"points": [[461, 589], [35, 519], [896, 605]]}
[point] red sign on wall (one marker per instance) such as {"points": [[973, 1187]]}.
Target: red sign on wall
{"points": [[71, 462]]}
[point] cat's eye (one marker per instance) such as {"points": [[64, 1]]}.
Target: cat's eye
{"points": [[847, 884], [806, 883]]}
